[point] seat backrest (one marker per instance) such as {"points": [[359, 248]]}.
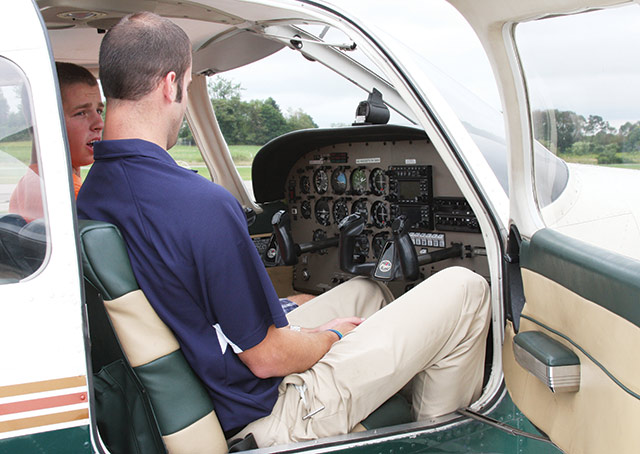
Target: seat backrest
{"points": [[182, 406]]}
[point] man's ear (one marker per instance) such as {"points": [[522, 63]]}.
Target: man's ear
{"points": [[170, 86]]}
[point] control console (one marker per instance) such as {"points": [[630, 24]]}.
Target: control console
{"points": [[411, 194]]}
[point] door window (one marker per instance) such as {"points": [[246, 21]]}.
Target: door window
{"points": [[582, 80], [22, 226]]}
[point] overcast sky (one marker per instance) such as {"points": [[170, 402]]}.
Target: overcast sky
{"points": [[594, 69], [589, 71]]}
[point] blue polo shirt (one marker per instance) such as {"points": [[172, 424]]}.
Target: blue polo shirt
{"points": [[191, 253]]}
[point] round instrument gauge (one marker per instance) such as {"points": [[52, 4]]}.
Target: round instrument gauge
{"points": [[360, 207], [340, 210], [338, 181], [305, 209], [305, 184], [359, 180], [322, 211], [378, 242], [380, 215], [320, 181], [361, 248], [378, 181], [318, 235]]}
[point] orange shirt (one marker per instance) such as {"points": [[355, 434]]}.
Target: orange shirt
{"points": [[26, 198]]}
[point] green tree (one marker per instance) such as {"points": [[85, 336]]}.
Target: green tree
{"points": [[252, 122], [610, 155], [297, 119], [562, 128], [582, 147], [185, 136], [570, 128], [597, 125], [231, 116], [221, 88], [630, 137], [273, 123]]}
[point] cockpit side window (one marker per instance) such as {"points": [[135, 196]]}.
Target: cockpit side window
{"points": [[581, 79], [23, 235]]}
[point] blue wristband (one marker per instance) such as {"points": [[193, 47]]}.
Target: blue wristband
{"points": [[340, 336]]}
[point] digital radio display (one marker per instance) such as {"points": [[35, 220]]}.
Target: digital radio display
{"points": [[409, 189]]}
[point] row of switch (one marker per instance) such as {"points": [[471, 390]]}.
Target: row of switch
{"points": [[428, 239]]}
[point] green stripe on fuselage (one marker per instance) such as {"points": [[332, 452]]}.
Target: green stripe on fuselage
{"points": [[62, 441]]}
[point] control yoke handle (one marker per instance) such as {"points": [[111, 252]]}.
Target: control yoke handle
{"points": [[289, 250], [350, 227]]}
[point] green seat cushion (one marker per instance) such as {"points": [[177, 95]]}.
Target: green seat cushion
{"points": [[394, 411], [177, 395]]}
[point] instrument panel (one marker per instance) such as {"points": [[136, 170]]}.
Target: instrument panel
{"points": [[380, 180]]}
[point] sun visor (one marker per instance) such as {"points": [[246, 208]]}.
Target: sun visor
{"points": [[231, 51]]}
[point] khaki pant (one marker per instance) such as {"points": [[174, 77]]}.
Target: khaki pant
{"points": [[435, 334]]}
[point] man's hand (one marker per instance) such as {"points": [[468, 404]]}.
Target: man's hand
{"points": [[284, 351]]}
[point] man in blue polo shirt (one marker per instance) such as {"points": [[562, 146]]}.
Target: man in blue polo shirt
{"points": [[283, 378]]}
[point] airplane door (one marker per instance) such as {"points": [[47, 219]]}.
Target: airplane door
{"points": [[570, 352], [44, 383]]}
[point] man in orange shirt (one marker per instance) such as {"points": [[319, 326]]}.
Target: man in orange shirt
{"points": [[82, 106]]}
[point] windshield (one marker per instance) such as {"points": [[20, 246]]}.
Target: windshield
{"points": [[484, 123], [436, 44]]}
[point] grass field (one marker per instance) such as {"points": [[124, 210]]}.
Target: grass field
{"points": [[630, 160], [19, 150], [242, 155]]}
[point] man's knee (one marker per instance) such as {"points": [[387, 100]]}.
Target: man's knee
{"points": [[371, 289], [477, 293], [471, 288]]}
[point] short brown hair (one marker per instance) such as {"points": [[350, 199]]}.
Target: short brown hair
{"points": [[69, 74], [138, 52]]}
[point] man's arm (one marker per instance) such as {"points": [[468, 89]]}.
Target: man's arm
{"points": [[284, 351]]}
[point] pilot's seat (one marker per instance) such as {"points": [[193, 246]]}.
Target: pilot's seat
{"points": [[163, 398], [182, 408]]}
